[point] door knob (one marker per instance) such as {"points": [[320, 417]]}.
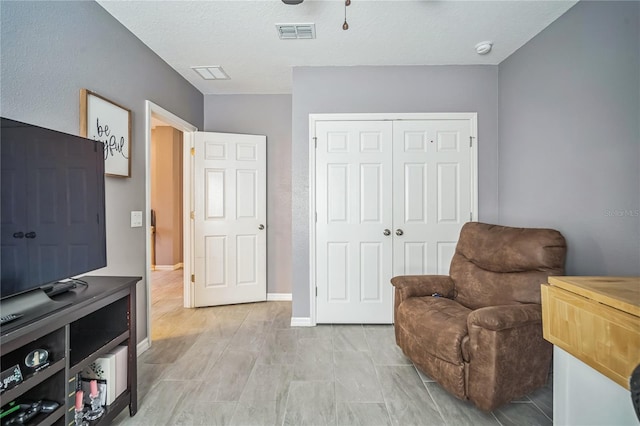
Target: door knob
{"points": [[261, 227], [386, 232], [30, 234], [18, 235], [399, 232]]}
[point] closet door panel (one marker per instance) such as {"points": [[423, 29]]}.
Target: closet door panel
{"points": [[432, 192], [354, 207]]}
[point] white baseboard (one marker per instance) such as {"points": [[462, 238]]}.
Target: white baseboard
{"points": [[167, 267], [143, 346], [301, 322], [273, 297]]}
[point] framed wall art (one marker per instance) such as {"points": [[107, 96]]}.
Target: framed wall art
{"points": [[105, 121]]}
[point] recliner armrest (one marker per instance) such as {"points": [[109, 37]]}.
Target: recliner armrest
{"points": [[505, 316], [422, 285]]}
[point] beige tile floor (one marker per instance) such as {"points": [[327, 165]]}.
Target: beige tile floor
{"points": [[245, 365]]}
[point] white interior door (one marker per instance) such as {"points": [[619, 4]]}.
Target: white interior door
{"points": [[354, 207], [432, 190], [229, 218]]}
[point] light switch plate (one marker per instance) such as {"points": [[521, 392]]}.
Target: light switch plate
{"points": [[136, 219]]}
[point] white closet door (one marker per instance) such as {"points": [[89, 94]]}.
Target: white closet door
{"points": [[432, 193], [414, 178], [354, 207]]}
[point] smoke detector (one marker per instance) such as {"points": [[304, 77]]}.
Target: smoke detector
{"points": [[292, 1], [484, 47]]}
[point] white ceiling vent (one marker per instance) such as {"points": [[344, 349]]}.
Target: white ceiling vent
{"points": [[214, 72], [296, 31]]}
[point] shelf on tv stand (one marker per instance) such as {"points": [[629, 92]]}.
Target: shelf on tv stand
{"points": [[93, 321]]}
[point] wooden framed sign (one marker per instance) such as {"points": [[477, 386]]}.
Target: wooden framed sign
{"points": [[105, 121]]}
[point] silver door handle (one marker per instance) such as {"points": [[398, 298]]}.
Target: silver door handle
{"points": [[399, 232], [261, 227], [386, 232]]}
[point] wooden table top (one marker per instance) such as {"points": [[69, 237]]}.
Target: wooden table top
{"points": [[619, 292]]}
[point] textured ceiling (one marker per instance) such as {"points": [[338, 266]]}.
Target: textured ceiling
{"points": [[240, 35]]}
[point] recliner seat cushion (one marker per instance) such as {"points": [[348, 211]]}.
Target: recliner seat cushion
{"points": [[438, 322]]}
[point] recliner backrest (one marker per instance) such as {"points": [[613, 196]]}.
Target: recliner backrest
{"points": [[501, 265]]}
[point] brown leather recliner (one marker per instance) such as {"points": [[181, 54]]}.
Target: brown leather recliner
{"points": [[478, 331]]}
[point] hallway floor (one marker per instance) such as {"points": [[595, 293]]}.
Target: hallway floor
{"points": [[245, 365]]}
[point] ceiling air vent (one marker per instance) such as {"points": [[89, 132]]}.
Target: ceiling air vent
{"points": [[214, 72], [296, 31]]}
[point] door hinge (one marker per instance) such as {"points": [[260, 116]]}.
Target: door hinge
{"points": [[470, 141], [316, 291], [315, 142], [316, 216], [193, 278], [193, 151], [470, 216], [192, 215]]}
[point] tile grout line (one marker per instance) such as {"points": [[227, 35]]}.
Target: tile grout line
{"points": [[384, 398], [442, 417], [286, 406], [539, 409], [497, 419]]}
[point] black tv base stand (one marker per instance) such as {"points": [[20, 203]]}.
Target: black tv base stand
{"points": [[87, 323]]}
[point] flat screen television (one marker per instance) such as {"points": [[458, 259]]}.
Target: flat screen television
{"points": [[53, 210]]}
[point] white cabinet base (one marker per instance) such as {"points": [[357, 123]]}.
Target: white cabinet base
{"points": [[583, 396]]}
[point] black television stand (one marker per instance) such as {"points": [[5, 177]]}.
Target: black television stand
{"points": [[87, 323]]}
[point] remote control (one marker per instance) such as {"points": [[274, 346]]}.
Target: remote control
{"points": [[59, 287], [8, 318]]}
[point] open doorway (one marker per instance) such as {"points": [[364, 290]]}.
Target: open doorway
{"points": [[166, 197], [167, 217], [168, 205]]}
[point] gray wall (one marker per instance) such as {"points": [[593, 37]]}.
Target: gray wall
{"points": [[570, 136], [268, 115], [50, 50], [391, 90]]}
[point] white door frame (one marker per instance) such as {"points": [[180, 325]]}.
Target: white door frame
{"points": [[187, 129], [313, 118]]}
